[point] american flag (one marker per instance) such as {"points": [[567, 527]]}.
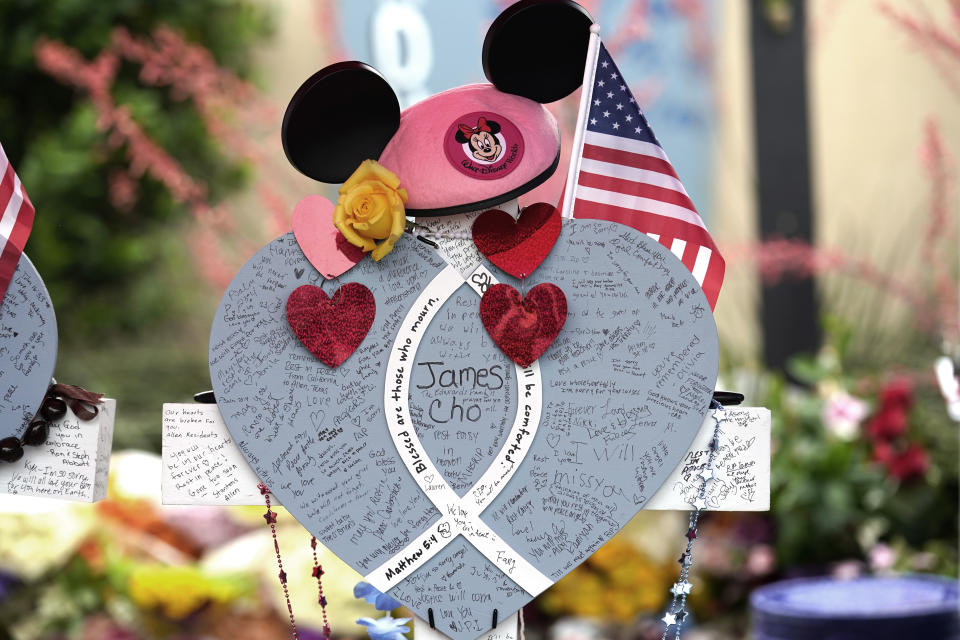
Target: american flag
{"points": [[15, 223], [624, 176]]}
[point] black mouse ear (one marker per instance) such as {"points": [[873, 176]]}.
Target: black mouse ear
{"points": [[342, 115], [538, 48]]}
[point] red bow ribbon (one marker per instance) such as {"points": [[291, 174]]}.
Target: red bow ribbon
{"points": [[468, 131]]}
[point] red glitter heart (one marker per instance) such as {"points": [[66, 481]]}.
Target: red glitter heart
{"points": [[331, 328], [517, 247], [523, 327]]}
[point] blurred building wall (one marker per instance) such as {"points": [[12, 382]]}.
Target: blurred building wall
{"points": [[872, 90]]}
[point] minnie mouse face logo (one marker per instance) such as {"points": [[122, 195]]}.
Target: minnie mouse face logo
{"points": [[482, 139], [483, 145]]}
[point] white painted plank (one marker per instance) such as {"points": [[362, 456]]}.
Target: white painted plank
{"points": [[201, 465], [507, 629], [72, 465], [741, 466]]}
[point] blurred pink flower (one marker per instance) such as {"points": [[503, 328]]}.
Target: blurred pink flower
{"points": [[714, 554], [232, 110], [888, 424], [843, 413], [937, 41], [910, 464], [923, 561], [897, 393], [883, 452], [761, 560], [101, 627], [847, 570], [882, 558], [123, 190]]}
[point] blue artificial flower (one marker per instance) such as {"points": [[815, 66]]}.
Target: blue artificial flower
{"points": [[8, 584], [371, 594], [386, 628]]}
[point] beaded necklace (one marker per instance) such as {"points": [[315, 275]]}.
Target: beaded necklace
{"points": [[271, 517]]}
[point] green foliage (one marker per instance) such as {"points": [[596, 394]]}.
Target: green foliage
{"points": [[129, 305], [830, 501], [95, 259], [822, 488]]}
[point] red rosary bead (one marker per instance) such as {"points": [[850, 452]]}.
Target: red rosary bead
{"points": [[271, 517]]}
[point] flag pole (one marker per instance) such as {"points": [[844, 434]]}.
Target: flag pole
{"points": [[586, 96]]}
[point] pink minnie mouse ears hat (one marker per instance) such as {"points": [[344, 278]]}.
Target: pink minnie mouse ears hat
{"points": [[461, 150]]}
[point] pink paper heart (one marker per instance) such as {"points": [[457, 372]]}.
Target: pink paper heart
{"points": [[325, 247]]}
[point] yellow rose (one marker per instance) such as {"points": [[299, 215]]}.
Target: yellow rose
{"points": [[371, 208]]}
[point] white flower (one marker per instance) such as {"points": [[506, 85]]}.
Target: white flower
{"points": [[843, 413]]}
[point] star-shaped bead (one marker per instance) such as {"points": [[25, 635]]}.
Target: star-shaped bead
{"points": [[317, 572], [681, 588], [707, 473], [263, 489], [714, 444], [669, 619], [699, 504], [691, 533], [270, 517], [681, 616], [684, 560], [283, 576]]}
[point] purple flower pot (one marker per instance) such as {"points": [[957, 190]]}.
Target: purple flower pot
{"points": [[875, 608]]}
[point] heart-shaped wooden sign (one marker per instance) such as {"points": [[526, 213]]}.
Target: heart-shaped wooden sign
{"points": [[28, 348], [437, 461]]}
